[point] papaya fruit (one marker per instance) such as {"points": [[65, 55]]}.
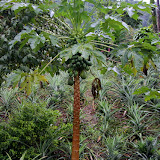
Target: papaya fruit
{"points": [[87, 68], [70, 81], [75, 73], [83, 75]]}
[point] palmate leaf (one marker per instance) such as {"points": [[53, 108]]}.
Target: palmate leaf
{"points": [[84, 49], [36, 41], [53, 40], [18, 6], [115, 23], [98, 57], [25, 81], [149, 93], [66, 54], [20, 36]]}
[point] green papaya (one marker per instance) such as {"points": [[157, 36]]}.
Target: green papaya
{"points": [[87, 68], [84, 65], [70, 73], [78, 63], [75, 73], [70, 81], [89, 63], [83, 75]]}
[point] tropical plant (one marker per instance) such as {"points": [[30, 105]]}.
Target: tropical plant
{"points": [[48, 23], [84, 150], [106, 110], [23, 157], [126, 88], [138, 118], [46, 149], [115, 147], [148, 148], [7, 99], [156, 108], [25, 58]]}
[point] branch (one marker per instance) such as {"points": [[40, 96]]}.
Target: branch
{"points": [[49, 63], [102, 45], [105, 43]]}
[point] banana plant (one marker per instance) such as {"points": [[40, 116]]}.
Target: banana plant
{"points": [[70, 26]]}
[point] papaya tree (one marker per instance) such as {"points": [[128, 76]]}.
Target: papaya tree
{"points": [[78, 31]]}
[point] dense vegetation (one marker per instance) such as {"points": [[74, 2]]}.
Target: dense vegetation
{"points": [[51, 51]]}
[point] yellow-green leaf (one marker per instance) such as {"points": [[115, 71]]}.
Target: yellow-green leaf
{"points": [[23, 84], [28, 88], [134, 71]]}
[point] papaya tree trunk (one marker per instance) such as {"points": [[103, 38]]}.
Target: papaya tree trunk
{"points": [[76, 120]]}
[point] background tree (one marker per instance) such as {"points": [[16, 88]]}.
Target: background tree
{"points": [[19, 56], [158, 17], [154, 16]]}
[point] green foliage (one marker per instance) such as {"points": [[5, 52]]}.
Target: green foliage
{"points": [[125, 90], [25, 81], [148, 148], [7, 99], [27, 126], [138, 118], [84, 151], [139, 55], [114, 146], [146, 43], [58, 88], [149, 88], [14, 25], [149, 93], [106, 111], [74, 32]]}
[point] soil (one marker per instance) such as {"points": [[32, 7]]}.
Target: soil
{"points": [[89, 110]]}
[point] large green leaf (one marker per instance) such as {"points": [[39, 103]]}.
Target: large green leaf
{"points": [[149, 93], [19, 36], [17, 7], [116, 23], [66, 54], [99, 57], [36, 41], [25, 80], [53, 39]]}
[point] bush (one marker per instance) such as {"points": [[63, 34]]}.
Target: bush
{"points": [[29, 125]]}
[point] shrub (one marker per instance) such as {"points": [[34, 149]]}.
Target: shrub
{"points": [[29, 125]]}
